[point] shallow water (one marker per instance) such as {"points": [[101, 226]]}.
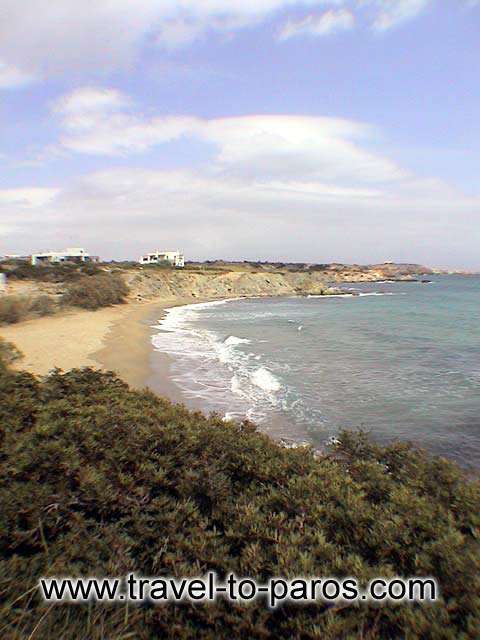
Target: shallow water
{"points": [[404, 364]]}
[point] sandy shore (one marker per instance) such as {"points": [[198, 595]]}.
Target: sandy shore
{"points": [[115, 339], [127, 348]]}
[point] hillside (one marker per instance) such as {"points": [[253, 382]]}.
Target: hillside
{"points": [[220, 280], [203, 280]]}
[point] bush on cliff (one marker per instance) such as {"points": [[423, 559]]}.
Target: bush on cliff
{"points": [[57, 272], [14, 309], [93, 292], [96, 479], [43, 306]]}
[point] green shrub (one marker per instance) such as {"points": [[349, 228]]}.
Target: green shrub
{"points": [[93, 292], [13, 309], [96, 479]]}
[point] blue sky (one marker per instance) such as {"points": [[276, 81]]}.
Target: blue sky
{"points": [[277, 129]]}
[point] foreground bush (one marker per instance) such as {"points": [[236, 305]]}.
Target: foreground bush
{"points": [[13, 309], [96, 479], [93, 292], [8, 353]]}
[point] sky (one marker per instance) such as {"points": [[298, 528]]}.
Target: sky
{"points": [[290, 130]]}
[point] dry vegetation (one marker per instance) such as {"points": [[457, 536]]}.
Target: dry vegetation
{"points": [[54, 287], [17, 308], [94, 292]]}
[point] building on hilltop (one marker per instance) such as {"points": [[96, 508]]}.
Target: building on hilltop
{"points": [[71, 254], [175, 258]]}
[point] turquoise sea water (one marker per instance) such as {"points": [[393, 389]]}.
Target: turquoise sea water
{"points": [[404, 364]]}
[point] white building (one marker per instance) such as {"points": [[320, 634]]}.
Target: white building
{"points": [[72, 254], [175, 258]]}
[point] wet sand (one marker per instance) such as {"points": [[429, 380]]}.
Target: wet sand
{"points": [[127, 349]]}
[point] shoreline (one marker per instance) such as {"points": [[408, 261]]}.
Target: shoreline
{"points": [[115, 339], [128, 351]]}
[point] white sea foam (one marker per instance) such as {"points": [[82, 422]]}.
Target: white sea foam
{"points": [[376, 293], [332, 295], [265, 379], [234, 341], [236, 386], [214, 368], [354, 295]]}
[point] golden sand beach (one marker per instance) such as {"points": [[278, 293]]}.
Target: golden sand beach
{"points": [[114, 339]]}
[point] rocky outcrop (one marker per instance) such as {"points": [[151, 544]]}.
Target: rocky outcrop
{"points": [[147, 283], [184, 284], [231, 280]]}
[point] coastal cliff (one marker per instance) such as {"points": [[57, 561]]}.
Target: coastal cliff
{"points": [[230, 280], [183, 284], [208, 280]]}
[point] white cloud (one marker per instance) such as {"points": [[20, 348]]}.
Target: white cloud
{"points": [[395, 12], [30, 197], [330, 149], [13, 78], [90, 99], [53, 36], [307, 184], [325, 24], [119, 213], [174, 34], [96, 123], [56, 36]]}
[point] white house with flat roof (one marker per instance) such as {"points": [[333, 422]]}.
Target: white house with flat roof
{"points": [[71, 254], [175, 258]]}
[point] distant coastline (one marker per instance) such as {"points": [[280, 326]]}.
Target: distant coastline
{"points": [[118, 338]]}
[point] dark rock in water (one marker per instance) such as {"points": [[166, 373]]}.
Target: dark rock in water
{"points": [[334, 291]]}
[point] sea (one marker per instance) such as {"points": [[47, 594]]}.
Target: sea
{"points": [[400, 360]]}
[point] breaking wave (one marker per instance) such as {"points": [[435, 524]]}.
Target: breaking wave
{"points": [[217, 370]]}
